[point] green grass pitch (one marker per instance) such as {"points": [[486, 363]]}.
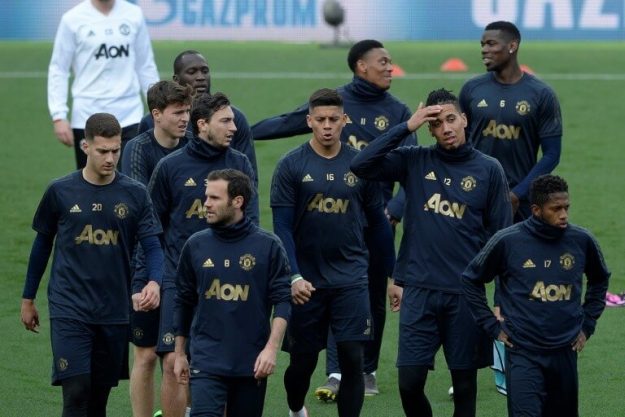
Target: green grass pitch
{"points": [[265, 79]]}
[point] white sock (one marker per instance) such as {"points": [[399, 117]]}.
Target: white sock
{"points": [[335, 375], [300, 413], [187, 412]]}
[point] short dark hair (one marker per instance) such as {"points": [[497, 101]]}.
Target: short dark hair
{"points": [[359, 49], [205, 106], [239, 184], [178, 59], [442, 96], [545, 185], [509, 29], [102, 124], [325, 97], [164, 93]]}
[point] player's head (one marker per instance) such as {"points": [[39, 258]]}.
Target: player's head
{"points": [[500, 44], [549, 197], [326, 119], [170, 105], [227, 193], [191, 68], [102, 144], [369, 60], [448, 128], [212, 119]]}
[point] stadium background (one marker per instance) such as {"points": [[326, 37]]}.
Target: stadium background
{"points": [[576, 46]]}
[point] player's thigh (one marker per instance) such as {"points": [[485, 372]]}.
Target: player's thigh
{"points": [[246, 397], [465, 344], [419, 337], [525, 383], [307, 331], [562, 385], [350, 314], [209, 394], [166, 336], [144, 327], [109, 360], [72, 345]]}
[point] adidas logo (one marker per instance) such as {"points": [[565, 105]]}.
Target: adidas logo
{"points": [[307, 178], [208, 263], [529, 264], [91, 33], [190, 183], [75, 209], [431, 176], [482, 103]]}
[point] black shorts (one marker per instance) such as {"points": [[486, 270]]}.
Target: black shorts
{"points": [[144, 327], [244, 396]]}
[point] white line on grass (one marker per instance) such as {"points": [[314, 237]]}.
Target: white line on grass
{"points": [[342, 76]]}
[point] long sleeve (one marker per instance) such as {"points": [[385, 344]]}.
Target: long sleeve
{"points": [[153, 258], [186, 294], [551, 148], [145, 65], [284, 126], [499, 212], [598, 276], [283, 218], [280, 283], [37, 263], [243, 141], [59, 71]]}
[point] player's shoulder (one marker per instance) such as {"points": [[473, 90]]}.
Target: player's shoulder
{"points": [[507, 234], [238, 114], [487, 160], [124, 7], [266, 235], [295, 155], [532, 83], [67, 180], [200, 236], [578, 232], [130, 183], [141, 140], [477, 81]]}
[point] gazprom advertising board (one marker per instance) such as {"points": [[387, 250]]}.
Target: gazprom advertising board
{"points": [[302, 20]]}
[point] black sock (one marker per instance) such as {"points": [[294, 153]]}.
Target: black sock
{"points": [[297, 378], [98, 400]]}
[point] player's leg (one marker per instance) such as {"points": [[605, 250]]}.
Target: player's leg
{"points": [[419, 340], [350, 321], [173, 395], [526, 383], [109, 364], [246, 397], [209, 394], [144, 336], [562, 385], [330, 389], [306, 336], [467, 348], [79, 155]]}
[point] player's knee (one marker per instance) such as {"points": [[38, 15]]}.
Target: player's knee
{"points": [[168, 363], [144, 357], [412, 379], [350, 357], [76, 394]]}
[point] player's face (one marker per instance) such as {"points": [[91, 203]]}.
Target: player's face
{"points": [[102, 155], [555, 211], [194, 72], [495, 50], [376, 67], [173, 120], [448, 128], [220, 129], [326, 123], [219, 209]]}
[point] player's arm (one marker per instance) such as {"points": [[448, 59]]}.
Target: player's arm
{"points": [[134, 164], [252, 210], [483, 269], [283, 126], [498, 213], [185, 303], [149, 297], [37, 263], [145, 66], [145, 124], [58, 82], [243, 141], [598, 276]]}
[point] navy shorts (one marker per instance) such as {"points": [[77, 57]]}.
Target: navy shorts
{"points": [[80, 348], [542, 384], [429, 319], [144, 327], [245, 396], [345, 311], [166, 337]]}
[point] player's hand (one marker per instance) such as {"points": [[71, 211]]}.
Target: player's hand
{"points": [[579, 342], [497, 313], [30, 315], [301, 291], [63, 132], [148, 299], [395, 294], [392, 220], [514, 200], [181, 369], [423, 114], [265, 362], [503, 338]]}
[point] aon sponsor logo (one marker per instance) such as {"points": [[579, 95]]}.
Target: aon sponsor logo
{"points": [[97, 236], [106, 52], [196, 209], [551, 292], [445, 207], [328, 204], [501, 131], [227, 292]]}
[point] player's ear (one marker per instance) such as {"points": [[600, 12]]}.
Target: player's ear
{"points": [[536, 210], [237, 201], [175, 78], [309, 121]]}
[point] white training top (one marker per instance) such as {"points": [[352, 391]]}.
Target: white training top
{"points": [[111, 59]]}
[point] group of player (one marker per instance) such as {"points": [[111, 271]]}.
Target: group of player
{"points": [[174, 255]]}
